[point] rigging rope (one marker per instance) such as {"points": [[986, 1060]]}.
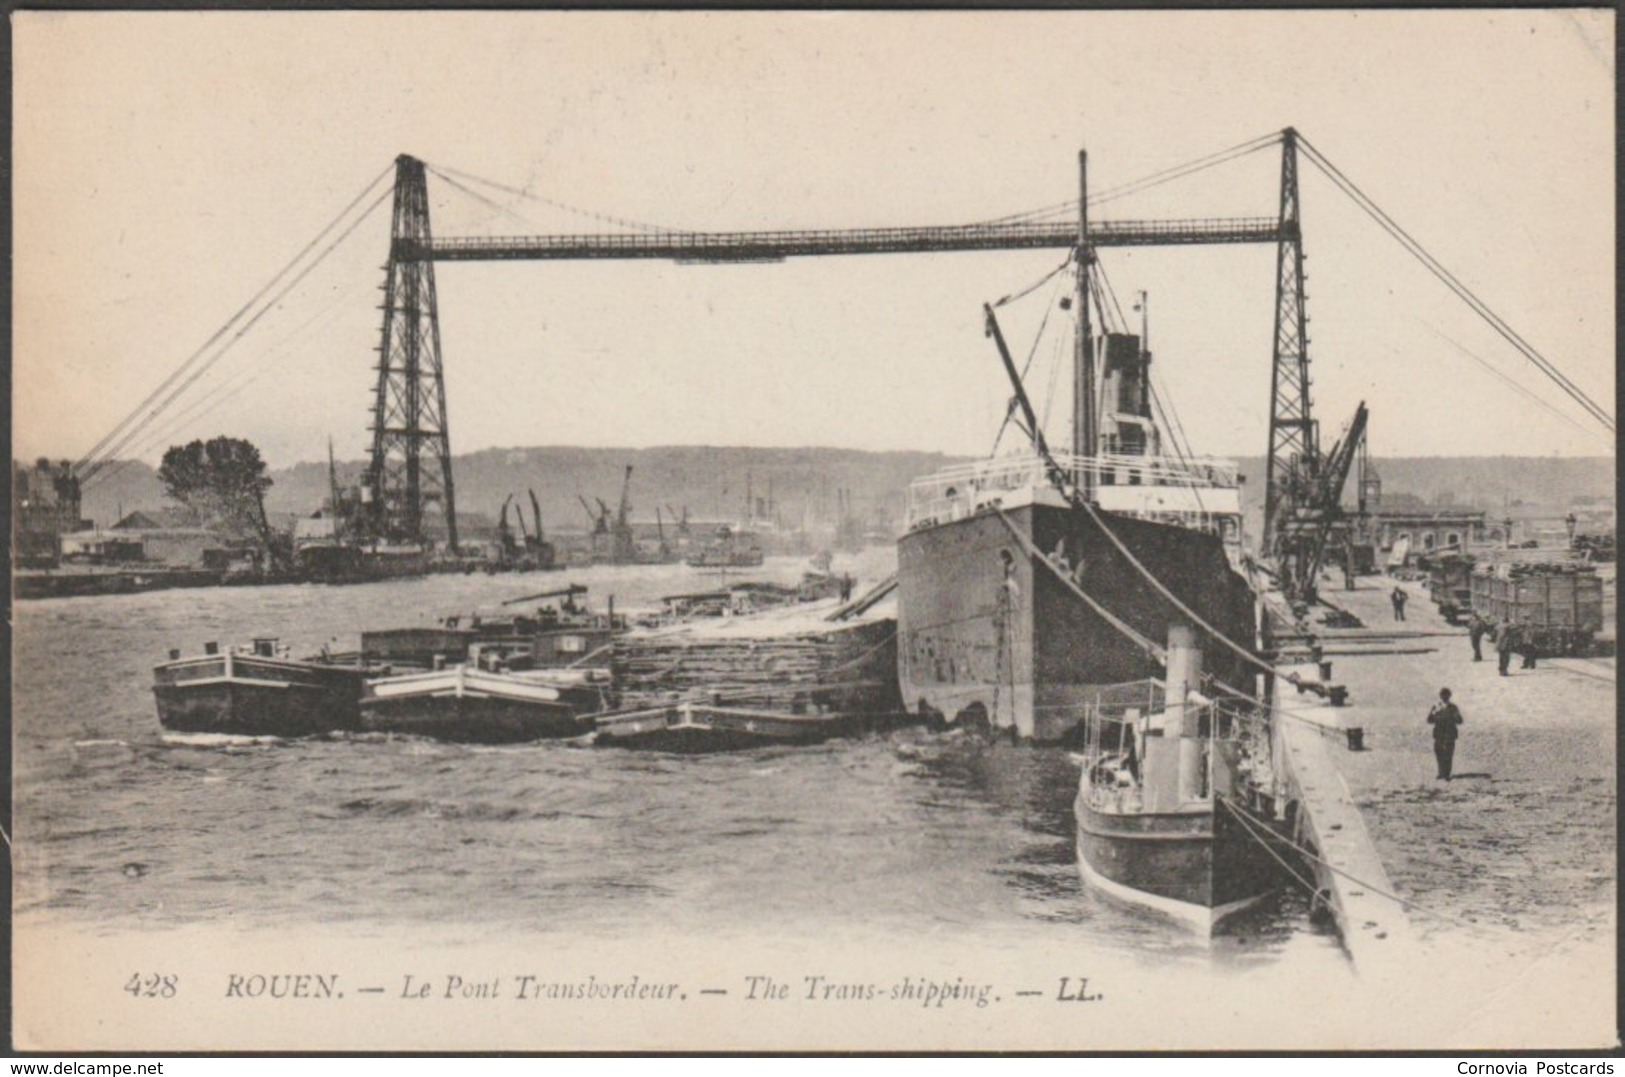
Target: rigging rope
{"points": [[90, 457], [1037, 284], [1279, 859], [1462, 292], [1150, 647], [1242, 816], [96, 468], [1010, 409]]}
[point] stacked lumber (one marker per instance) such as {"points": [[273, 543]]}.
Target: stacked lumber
{"points": [[809, 668]]}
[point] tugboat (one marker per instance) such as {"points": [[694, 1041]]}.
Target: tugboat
{"points": [[1174, 797], [260, 692]]}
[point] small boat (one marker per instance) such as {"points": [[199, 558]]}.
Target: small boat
{"points": [[701, 727], [569, 634], [258, 693], [1174, 796], [731, 548], [485, 706]]}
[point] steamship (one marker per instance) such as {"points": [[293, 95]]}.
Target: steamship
{"points": [[1028, 582]]}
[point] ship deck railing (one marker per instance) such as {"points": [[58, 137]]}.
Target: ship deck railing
{"points": [[965, 489], [1112, 784], [969, 484]]}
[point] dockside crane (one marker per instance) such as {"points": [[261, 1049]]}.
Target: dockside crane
{"points": [[536, 511], [504, 531], [625, 548], [1309, 509]]}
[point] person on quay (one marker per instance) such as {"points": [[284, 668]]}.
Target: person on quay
{"points": [[1526, 636], [1506, 641], [1446, 720], [1399, 598], [1476, 627]]}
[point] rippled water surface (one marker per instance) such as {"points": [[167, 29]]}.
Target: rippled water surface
{"points": [[907, 833]]}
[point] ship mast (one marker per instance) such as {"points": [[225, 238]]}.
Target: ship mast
{"points": [[1084, 437]]}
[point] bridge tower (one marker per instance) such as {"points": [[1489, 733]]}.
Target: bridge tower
{"points": [[1293, 459], [409, 406]]}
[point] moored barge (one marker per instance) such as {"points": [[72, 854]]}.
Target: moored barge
{"points": [[258, 693]]}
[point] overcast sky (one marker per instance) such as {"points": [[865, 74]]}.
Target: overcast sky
{"points": [[167, 165]]}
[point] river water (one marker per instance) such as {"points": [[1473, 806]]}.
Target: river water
{"points": [[906, 836], [906, 830]]}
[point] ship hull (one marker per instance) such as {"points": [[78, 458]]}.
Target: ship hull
{"points": [[990, 633], [1196, 867], [250, 696], [473, 720], [478, 707]]}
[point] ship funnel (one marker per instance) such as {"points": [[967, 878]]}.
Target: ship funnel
{"points": [[1184, 667], [1184, 664]]}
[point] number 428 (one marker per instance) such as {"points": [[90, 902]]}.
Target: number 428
{"points": [[153, 985]]}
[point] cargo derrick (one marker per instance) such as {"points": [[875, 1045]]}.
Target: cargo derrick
{"points": [[1309, 515]]}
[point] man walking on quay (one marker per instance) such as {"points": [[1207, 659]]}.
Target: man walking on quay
{"points": [[1398, 597], [1445, 718], [1476, 627], [1506, 640], [1526, 636]]}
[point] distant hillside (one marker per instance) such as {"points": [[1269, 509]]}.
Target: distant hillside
{"points": [[712, 481]]}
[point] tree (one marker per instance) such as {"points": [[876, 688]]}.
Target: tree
{"points": [[222, 482]]}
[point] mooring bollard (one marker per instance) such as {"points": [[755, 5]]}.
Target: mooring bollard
{"points": [[1338, 694], [1325, 669], [1356, 739]]}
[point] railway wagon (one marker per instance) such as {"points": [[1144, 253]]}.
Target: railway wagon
{"points": [[1450, 584], [1560, 603]]}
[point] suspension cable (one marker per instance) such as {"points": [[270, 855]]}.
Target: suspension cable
{"points": [[136, 412], [1168, 175], [107, 455], [1155, 179], [227, 390], [478, 197], [1462, 292], [624, 222], [1522, 390]]}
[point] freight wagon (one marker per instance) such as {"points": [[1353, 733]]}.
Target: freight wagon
{"points": [[1560, 603], [1450, 584]]}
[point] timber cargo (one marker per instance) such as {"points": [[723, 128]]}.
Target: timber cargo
{"points": [[809, 658], [1559, 604]]}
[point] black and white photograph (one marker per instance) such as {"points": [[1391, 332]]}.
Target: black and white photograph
{"points": [[811, 531]]}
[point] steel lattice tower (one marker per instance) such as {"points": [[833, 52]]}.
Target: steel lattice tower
{"points": [[1293, 453], [409, 408]]}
